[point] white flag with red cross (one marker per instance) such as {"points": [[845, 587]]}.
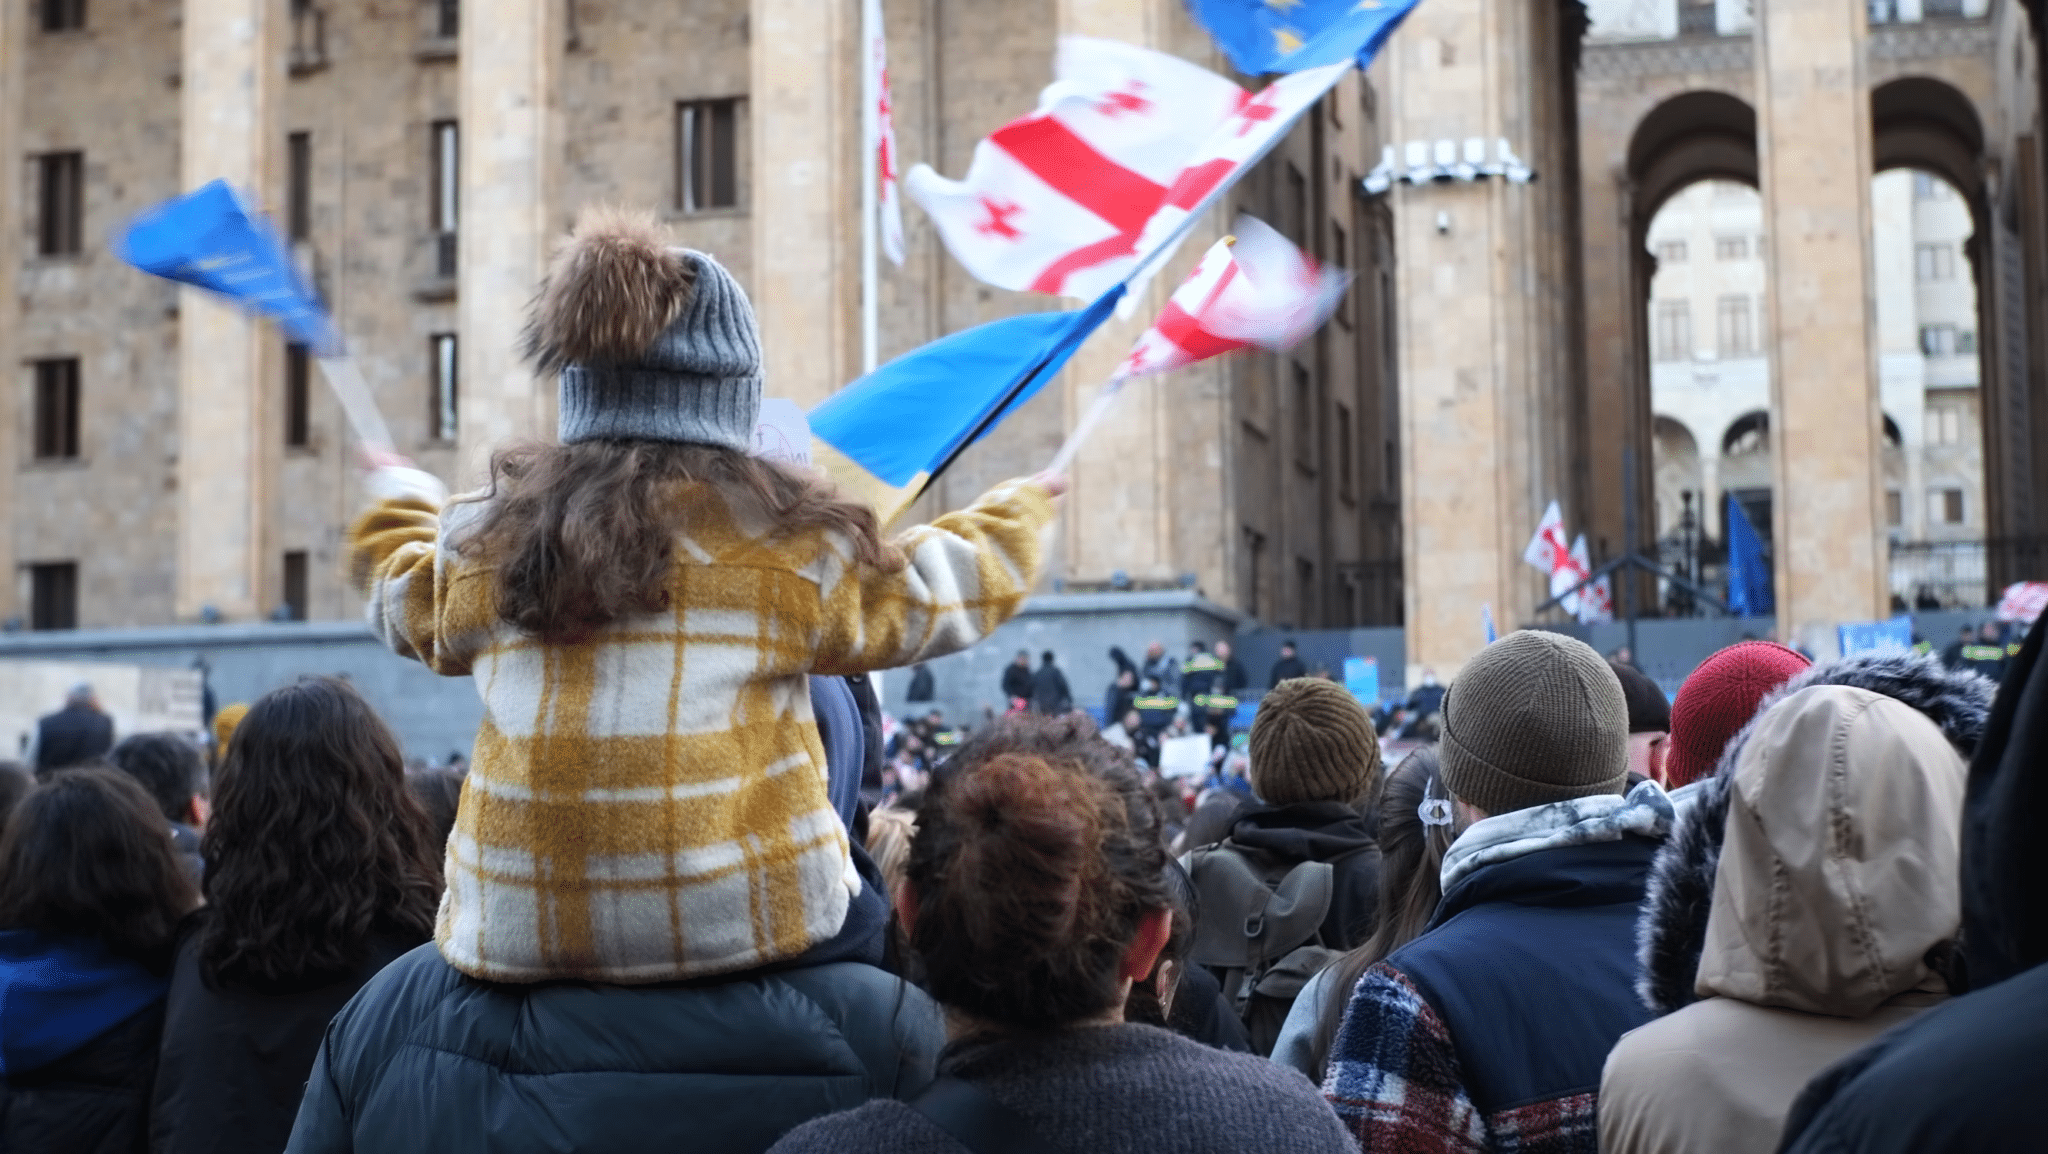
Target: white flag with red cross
{"points": [[882, 136], [1055, 202], [1251, 290], [1595, 601], [1548, 545]]}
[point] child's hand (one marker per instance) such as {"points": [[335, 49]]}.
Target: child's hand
{"points": [[1052, 482], [375, 457]]}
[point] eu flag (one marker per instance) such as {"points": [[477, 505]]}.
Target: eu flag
{"points": [[211, 238], [1749, 576], [1263, 36], [886, 435]]}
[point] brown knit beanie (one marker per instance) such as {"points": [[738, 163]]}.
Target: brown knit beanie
{"points": [[1535, 718], [1312, 741]]}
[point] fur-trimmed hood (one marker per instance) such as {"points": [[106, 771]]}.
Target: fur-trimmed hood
{"points": [[1671, 931]]}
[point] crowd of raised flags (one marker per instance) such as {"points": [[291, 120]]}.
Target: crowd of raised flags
{"points": [[1570, 570]]}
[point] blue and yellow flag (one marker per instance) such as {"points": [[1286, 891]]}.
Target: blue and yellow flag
{"points": [[885, 436], [211, 238], [1263, 36]]}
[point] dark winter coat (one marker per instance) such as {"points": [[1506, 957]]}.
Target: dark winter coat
{"points": [[1049, 692], [1017, 682], [1286, 669], [922, 687], [1967, 1076], [1671, 931], [79, 1028], [1280, 837], [427, 1059], [235, 1060], [1426, 699], [1105, 1090], [1116, 702], [72, 735]]}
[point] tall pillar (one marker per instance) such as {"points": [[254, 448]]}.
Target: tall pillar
{"points": [[1127, 475], [803, 105], [234, 62], [13, 26], [1479, 268], [507, 218], [1813, 121]]}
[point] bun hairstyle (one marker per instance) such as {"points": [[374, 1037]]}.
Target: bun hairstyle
{"points": [[1037, 855]]}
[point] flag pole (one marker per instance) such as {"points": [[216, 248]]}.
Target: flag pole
{"points": [[356, 402], [1097, 410], [870, 318]]}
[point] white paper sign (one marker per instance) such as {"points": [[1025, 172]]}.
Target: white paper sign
{"points": [[783, 432], [1184, 756]]}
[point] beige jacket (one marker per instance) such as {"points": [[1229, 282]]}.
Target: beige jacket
{"points": [[1838, 874]]}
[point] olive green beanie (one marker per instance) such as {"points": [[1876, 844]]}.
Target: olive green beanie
{"points": [[1536, 717], [1312, 741]]}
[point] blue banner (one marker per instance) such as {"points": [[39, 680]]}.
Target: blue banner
{"points": [[1749, 575], [211, 238], [1261, 36], [1871, 636]]}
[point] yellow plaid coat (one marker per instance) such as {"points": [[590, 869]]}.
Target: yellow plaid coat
{"points": [[650, 804]]}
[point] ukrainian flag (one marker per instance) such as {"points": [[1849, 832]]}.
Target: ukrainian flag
{"points": [[885, 436]]}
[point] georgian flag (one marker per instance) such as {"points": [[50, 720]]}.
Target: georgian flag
{"points": [[1548, 547], [1595, 601], [1253, 289], [1055, 202], [882, 136], [1254, 126]]}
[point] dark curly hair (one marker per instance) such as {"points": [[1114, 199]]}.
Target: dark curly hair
{"points": [[86, 854], [1036, 858], [171, 768], [314, 842]]}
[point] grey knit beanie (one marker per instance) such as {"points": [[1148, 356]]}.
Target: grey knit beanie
{"points": [[652, 342], [1312, 741], [1536, 717]]}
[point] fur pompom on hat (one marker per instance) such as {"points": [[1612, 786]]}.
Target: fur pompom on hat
{"points": [[1312, 741], [652, 342]]}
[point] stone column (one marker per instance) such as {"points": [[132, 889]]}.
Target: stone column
{"points": [[507, 218], [803, 108], [1129, 495], [234, 61], [13, 27], [1813, 122], [1479, 268]]}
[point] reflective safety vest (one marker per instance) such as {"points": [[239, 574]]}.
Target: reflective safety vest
{"points": [[1156, 711], [946, 737], [1216, 702], [1923, 647], [2012, 648], [1984, 653], [1206, 663]]}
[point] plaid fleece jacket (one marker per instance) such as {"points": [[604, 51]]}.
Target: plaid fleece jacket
{"points": [[650, 804], [1394, 1080]]}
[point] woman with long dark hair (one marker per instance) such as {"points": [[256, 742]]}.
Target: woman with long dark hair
{"points": [[90, 897], [1036, 897], [321, 868], [1415, 830]]}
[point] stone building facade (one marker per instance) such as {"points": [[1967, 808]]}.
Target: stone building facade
{"points": [[422, 163]]}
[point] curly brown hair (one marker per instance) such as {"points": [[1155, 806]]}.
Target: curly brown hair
{"points": [[314, 843], [583, 534], [1036, 858]]}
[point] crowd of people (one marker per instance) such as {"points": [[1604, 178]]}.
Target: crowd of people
{"points": [[671, 908]]}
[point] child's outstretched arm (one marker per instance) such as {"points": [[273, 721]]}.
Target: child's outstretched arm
{"points": [[968, 573], [392, 552]]}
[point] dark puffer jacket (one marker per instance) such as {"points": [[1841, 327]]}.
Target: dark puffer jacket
{"points": [[79, 1027], [426, 1059]]}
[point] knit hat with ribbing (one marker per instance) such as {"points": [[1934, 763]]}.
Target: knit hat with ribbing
{"points": [[652, 342], [1534, 718], [1649, 711], [1312, 741], [1718, 700]]}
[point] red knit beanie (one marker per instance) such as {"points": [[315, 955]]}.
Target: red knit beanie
{"points": [[1718, 700]]}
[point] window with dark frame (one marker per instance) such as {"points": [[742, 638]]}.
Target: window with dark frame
{"points": [[447, 18], [442, 397], [56, 409], [1737, 336], [53, 595], [1951, 506], [1344, 436], [63, 15], [1305, 604], [1894, 508], [294, 585], [1304, 415], [298, 198], [298, 396], [60, 202], [1295, 222], [707, 155], [1671, 331], [1340, 256], [447, 165]]}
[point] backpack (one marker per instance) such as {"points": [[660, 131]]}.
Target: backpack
{"points": [[1260, 933]]}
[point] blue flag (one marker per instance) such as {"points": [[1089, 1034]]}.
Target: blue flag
{"points": [[1263, 36], [884, 436], [213, 239], [1749, 577]]}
